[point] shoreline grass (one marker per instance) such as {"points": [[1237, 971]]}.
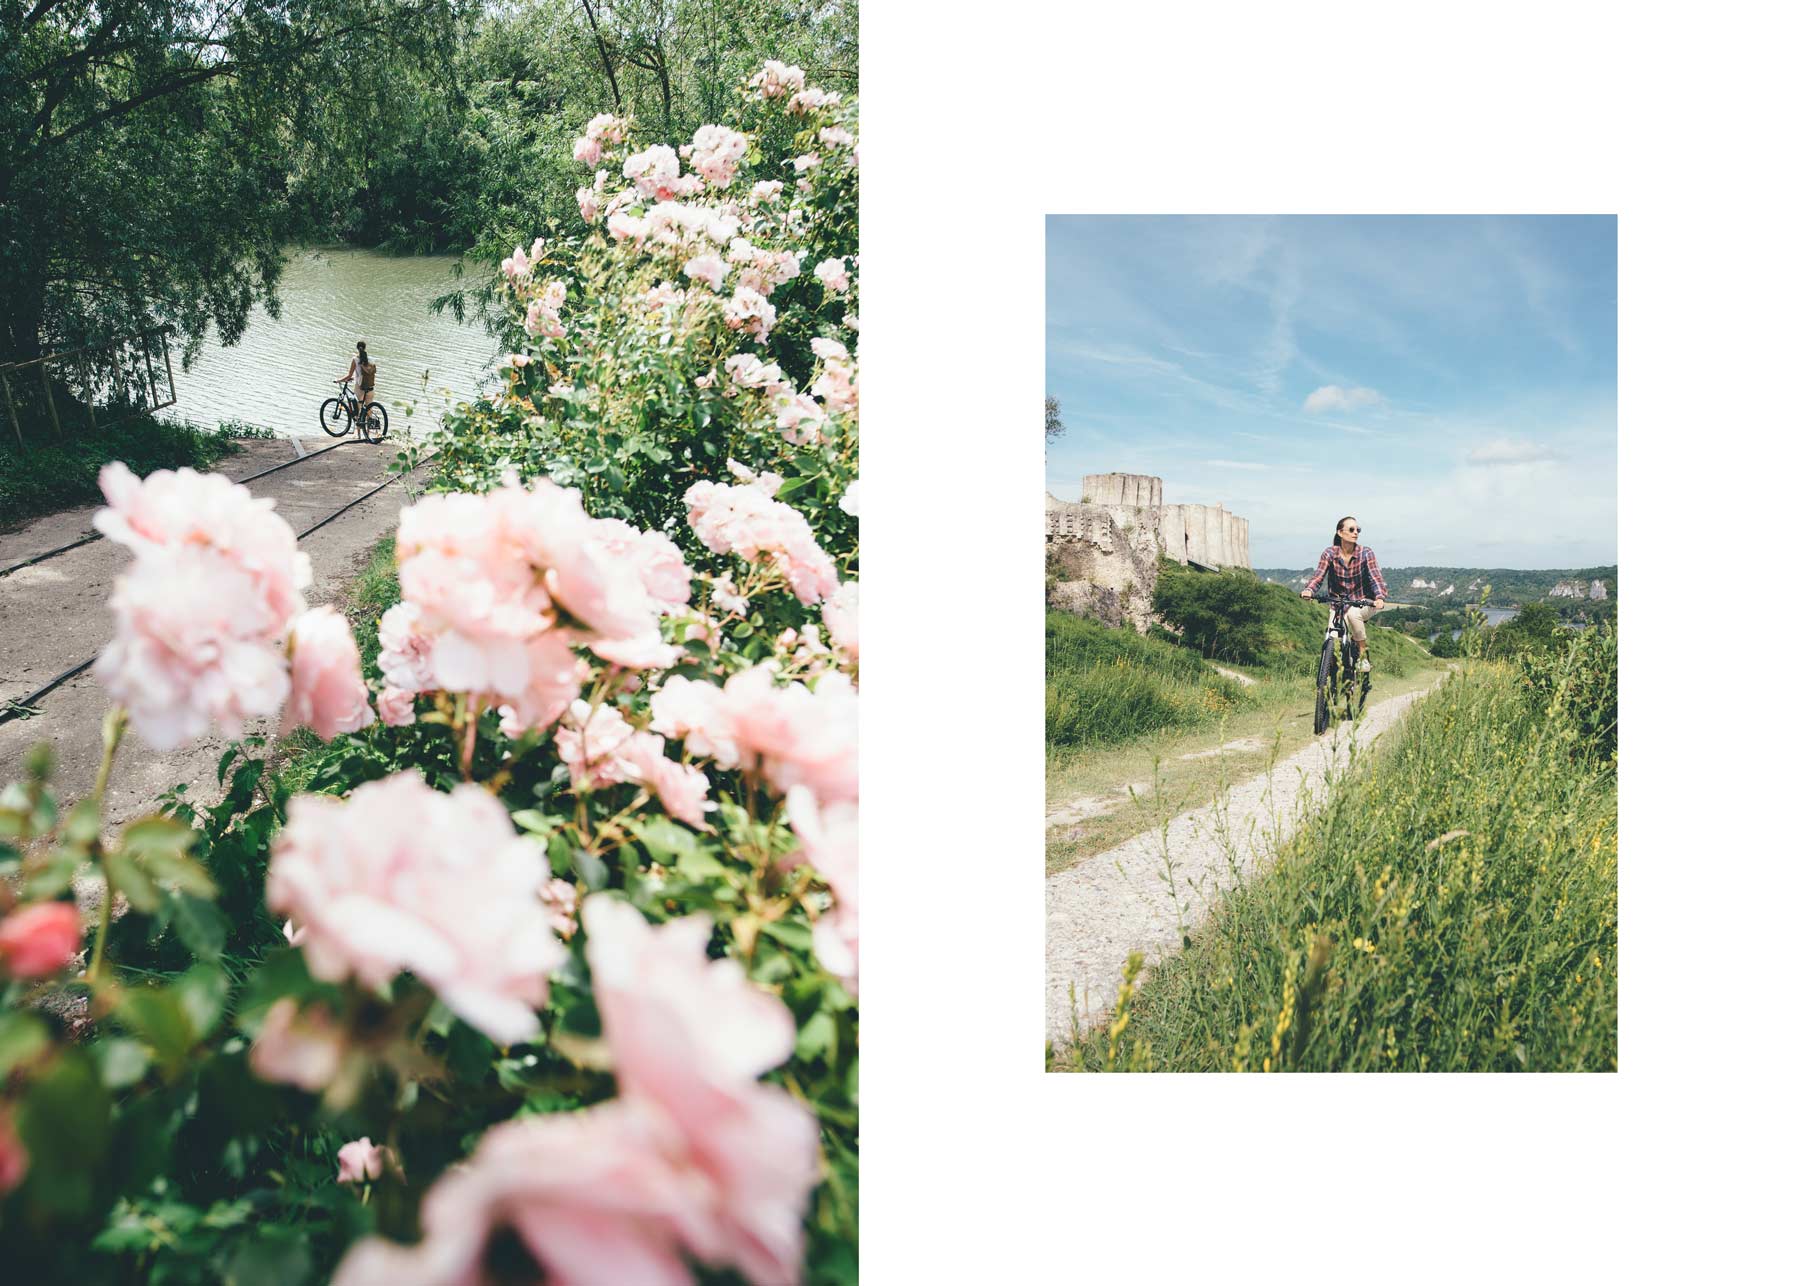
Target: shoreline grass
{"points": [[59, 474], [1453, 907]]}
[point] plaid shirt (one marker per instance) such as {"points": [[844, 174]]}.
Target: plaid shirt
{"points": [[1350, 582]]}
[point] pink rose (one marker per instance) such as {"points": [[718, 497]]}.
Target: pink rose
{"points": [[40, 939], [395, 706], [832, 275], [397, 876], [828, 844], [793, 735], [328, 693], [851, 502], [749, 310], [359, 1161], [558, 897], [748, 522], [604, 1194], [689, 1035], [841, 612], [708, 268], [299, 1047]]}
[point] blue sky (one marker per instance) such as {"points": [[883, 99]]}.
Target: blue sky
{"points": [[1451, 381]]}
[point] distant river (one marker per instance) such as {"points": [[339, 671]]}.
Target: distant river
{"points": [[280, 371]]}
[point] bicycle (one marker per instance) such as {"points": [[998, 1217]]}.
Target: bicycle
{"points": [[338, 415], [1338, 674]]}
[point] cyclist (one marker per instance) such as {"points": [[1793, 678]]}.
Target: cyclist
{"points": [[1350, 571], [361, 379]]}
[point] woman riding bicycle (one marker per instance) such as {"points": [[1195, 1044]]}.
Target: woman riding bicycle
{"points": [[361, 377], [1350, 571]]}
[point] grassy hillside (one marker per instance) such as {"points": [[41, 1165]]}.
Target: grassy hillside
{"points": [[1453, 907], [1511, 586], [1105, 685]]}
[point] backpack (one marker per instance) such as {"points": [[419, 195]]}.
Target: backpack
{"points": [[368, 375]]}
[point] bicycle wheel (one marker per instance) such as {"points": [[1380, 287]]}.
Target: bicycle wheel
{"points": [[375, 422], [1322, 701], [333, 418]]}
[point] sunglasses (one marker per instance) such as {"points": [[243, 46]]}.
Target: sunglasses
{"points": [[1354, 531]]}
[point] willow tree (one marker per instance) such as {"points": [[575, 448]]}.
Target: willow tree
{"points": [[146, 146]]}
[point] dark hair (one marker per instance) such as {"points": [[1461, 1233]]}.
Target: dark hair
{"points": [[362, 347], [1340, 526]]}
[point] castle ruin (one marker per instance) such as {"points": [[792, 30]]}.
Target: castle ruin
{"points": [[1101, 555]]}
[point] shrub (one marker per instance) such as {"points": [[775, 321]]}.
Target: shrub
{"points": [[59, 473], [1219, 614], [1581, 684], [581, 934]]}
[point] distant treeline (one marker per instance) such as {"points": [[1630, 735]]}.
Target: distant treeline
{"points": [[1511, 587]]}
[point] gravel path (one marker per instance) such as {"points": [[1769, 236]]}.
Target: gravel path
{"points": [[1117, 902]]}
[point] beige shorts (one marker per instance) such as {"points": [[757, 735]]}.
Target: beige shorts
{"points": [[1356, 617]]}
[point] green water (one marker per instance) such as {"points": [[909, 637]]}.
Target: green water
{"points": [[280, 371]]}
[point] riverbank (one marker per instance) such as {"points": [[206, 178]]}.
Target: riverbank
{"points": [[55, 475]]}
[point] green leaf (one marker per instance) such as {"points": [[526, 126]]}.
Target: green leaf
{"points": [[203, 991], [275, 1257], [790, 934], [23, 1037], [83, 826], [159, 1016], [129, 878], [532, 822], [65, 1122], [121, 1060], [156, 834], [53, 877], [816, 1037], [792, 485], [200, 925]]}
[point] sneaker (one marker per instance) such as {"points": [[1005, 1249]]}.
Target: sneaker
{"points": [[1362, 666]]}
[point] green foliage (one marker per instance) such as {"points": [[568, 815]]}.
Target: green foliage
{"points": [[1534, 629], [61, 472], [146, 149], [1579, 682], [1219, 614], [1453, 907], [155, 1153], [1107, 685]]}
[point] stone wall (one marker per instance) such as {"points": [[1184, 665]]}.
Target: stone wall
{"points": [[1101, 554]]}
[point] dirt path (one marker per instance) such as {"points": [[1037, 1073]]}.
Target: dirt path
{"points": [[1098, 912], [1244, 679], [53, 615]]}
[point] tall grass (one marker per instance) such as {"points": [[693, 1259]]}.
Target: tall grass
{"points": [[1454, 907], [1105, 685], [64, 471]]}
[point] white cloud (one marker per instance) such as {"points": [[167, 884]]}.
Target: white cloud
{"points": [[1498, 452], [1334, 397]]}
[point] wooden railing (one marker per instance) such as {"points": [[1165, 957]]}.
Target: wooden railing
{"points": [[98, 383]]}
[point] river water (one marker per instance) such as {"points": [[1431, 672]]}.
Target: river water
{"points": [[280, 371]]}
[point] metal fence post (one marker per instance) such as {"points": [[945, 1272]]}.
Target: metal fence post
{"points": [[11, 411], [50, 397]]}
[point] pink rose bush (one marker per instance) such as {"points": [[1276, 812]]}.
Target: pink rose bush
{"points": [[400, 876], [542, 961], [695, 1156], [210, 626]]}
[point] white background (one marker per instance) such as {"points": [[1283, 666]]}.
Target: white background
{"points": [[979, 119]]}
